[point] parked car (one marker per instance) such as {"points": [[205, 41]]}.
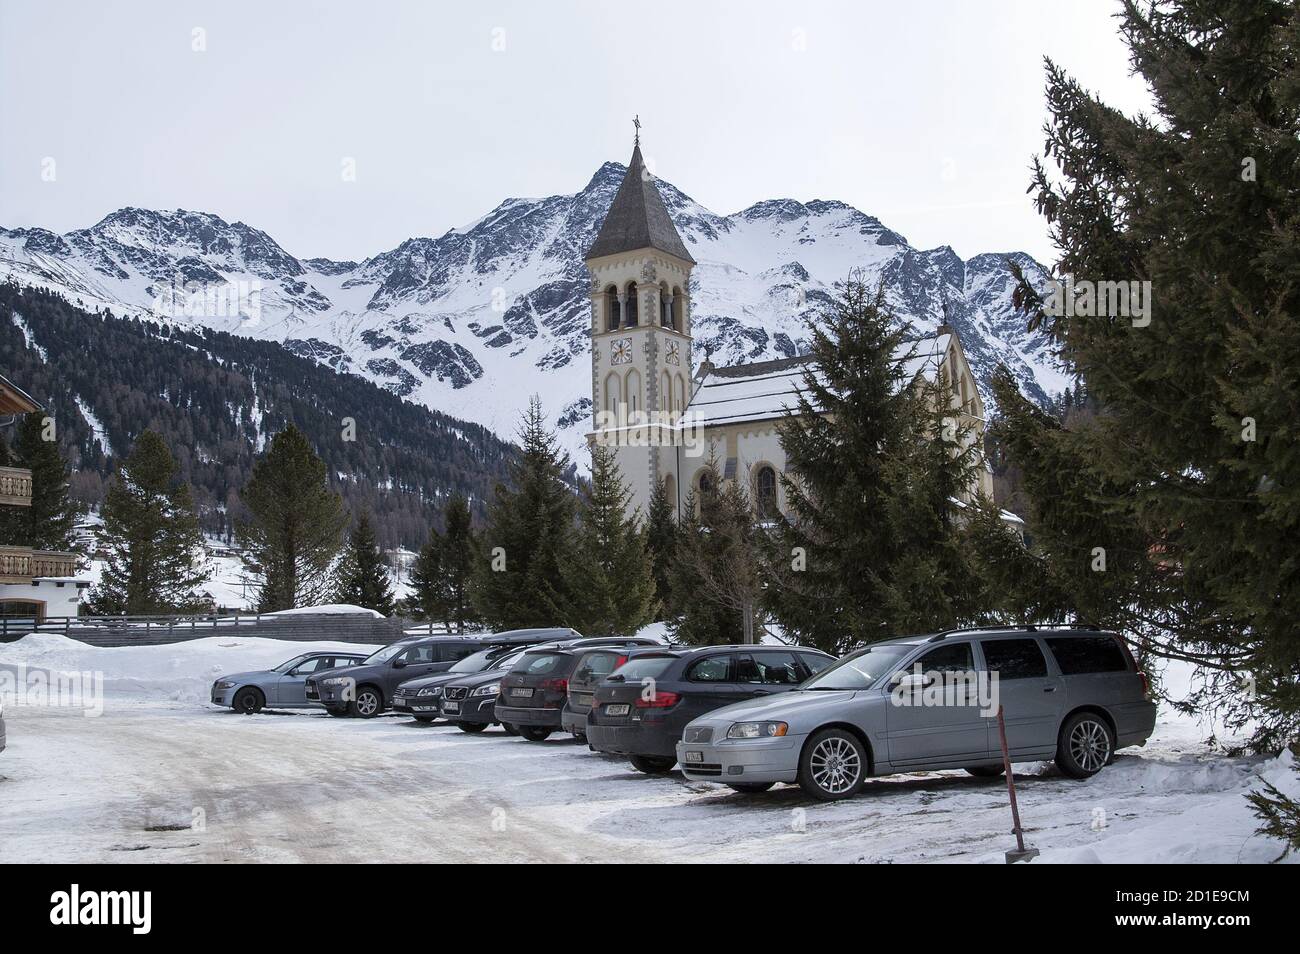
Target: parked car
{"points": [[641, 708], [366, 689], [534, 692], [283, 687], [592, 665], [1071, 695], [470, 703]]}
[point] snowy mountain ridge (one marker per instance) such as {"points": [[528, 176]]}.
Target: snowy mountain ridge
{"points": [[472, 322]]}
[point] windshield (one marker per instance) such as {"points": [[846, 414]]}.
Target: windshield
{"points": [[383, 655], [861, 669], [474, 662], [286, 666]]}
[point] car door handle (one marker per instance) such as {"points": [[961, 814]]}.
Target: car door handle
{"points": [[1050, 689]]}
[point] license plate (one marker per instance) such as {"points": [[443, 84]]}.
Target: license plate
{"points": [[522, 693], [425, 708], [399, 700], [694, 757], [616, 710], [451, 707]]}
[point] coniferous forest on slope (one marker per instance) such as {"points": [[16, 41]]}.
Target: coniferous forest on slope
{"points": [[215, 397]]}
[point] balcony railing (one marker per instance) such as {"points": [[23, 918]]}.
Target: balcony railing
{"points": [[16, 486], [23, 564]]}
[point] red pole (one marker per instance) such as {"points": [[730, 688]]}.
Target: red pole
{"points": [[1020, 852]]}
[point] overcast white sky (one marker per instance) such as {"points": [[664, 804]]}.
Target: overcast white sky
{"points": [[921, 112]]}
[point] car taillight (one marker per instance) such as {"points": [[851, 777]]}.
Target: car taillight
{"points": [[661, 699], [555, 685], [1146, 684], [618, 662]]}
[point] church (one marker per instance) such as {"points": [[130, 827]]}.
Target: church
{"points": [[663, 417]]}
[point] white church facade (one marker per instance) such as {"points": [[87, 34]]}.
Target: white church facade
{"points": [[664, 418]]}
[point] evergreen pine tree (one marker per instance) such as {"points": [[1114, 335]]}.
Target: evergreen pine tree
{"points": [[293, 538], [612, 567], [519, 578], [717, 575], [362, 573], [151, 534], [1186, 483], [661, 542], [877, 461], [47, 524], [443, 571]]}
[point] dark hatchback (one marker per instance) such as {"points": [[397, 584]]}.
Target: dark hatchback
{"points": [[422, 697], [641, 708]]}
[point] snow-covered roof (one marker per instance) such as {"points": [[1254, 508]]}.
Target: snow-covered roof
{"points": [[764, 390]]}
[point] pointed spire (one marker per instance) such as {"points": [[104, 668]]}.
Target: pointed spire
{"points": [[637, 217]]}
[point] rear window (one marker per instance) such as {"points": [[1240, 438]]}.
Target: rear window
{"points": [[1081, 654], [596, 665], [1014, 658], [645, 667], [536, 664]]}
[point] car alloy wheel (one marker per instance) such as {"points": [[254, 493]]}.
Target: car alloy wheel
{"points": [[367, 703], [835, 765], [1090, 745]]}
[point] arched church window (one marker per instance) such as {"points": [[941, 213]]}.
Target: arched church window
{"points": [[630, 306], [706, 482], [665, 306], [613, 394], [681, 394], [765, 492], [633, 393], [611, 308], [666, 394], [670, 490], [678, 310]]}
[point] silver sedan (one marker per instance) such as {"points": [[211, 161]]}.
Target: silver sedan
{"points": [[283, 687]]}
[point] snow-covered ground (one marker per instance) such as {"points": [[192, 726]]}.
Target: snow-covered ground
{"points": [[163, 775]]}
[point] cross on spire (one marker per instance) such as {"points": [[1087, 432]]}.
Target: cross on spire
{"points": [[636, 121]]}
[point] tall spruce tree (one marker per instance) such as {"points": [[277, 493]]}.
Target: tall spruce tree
{"points": [[151, 534], [362, 574], [443, 570], [1176, 514], [611, 568], [48, 522], [717, 575], [297, 524], [528, 542], [661, 542]]}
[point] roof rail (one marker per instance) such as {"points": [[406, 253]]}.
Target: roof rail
{"points": [[1013, 627]]}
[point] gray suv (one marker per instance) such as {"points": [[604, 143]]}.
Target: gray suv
{"points": [[930, 702]]}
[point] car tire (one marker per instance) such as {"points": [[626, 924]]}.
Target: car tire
{"points": [[471, 726], [750, 788], [1085, 745], [337, 713], [580, 738], [984, 771], [509, 729], [368, 703], [652, 764], [535, 733], [833, 765], [248, 700]]}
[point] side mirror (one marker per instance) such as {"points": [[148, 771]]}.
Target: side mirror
{"points": [[399, 663]]}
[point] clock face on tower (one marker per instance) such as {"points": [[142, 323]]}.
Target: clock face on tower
{"points": [[673, 352], [621, 351]]}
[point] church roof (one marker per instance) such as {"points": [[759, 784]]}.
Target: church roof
{"points": [[764, 390], [637, 218]]}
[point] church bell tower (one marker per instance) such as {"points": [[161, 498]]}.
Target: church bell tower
{"points": [[640, 331]]}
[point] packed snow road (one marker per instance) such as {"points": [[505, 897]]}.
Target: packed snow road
{"points": [[159, 781]]}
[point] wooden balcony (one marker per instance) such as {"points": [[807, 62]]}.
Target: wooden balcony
{"points": [[15, 486], [23, 564]]}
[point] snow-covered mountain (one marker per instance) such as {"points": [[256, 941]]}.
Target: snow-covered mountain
{"points": [[472, 322]]}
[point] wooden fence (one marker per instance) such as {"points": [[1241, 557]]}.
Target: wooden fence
{"points": [[160, 630]]}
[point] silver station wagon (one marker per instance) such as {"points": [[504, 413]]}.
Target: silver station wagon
{"points": [[930, 702]]}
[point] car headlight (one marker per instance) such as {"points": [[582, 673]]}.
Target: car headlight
{"points": [[491, 689], [225, 684], [757, 730], [430, 691], [336, 681]]}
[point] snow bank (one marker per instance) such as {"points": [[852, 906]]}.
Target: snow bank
{"points": [[327, 609], [179, 672], [1215, 830]]}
